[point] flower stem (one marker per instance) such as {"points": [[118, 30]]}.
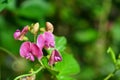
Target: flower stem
{"points": [[35, 38], [25, 75], [110, 75], [41, 63], [8, 52]]}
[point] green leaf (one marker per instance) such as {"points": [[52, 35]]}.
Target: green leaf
{"points": [[35, 9], [111, 52], [2, 6], [7, 4], [115, 31], [65, 78], [85, 36], [60, 43], [68, 66], [45, 61], [11, 5], [7, 38], [3, 1]]}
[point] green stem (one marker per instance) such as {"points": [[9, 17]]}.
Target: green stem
{"points": [[25, 75], [110, 75], [8, 52], [41, 63], [35, 38], [50, 69], [112, 53]]}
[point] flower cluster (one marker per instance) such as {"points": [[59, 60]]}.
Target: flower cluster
{"points": [[31, 50]]}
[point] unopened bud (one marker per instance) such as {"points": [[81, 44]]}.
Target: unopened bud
{"points": [[42, 29], [35, 28], [49, 27], [25, 38]]}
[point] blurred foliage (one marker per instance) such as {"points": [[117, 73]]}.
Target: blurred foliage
{"points": [[89, 25]]}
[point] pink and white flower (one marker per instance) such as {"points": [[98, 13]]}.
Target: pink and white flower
{"points": [[19, 35], [46, 40], [30, 50]]}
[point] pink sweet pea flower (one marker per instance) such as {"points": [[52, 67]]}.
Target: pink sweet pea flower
{"points": [[41, 41], [19, 35], [55, 57], [49, 40], [28, 50], [46, 40]]}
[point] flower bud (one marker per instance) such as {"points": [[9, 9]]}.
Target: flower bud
{"points": [[42, 29], [49, 27], [35, 28], [25, 38]]}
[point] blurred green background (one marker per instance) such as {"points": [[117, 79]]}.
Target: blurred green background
{"points": [[90, 26]]}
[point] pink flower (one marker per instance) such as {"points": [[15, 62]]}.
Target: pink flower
{"points": [[40, 41], [46, 40], [49, 40], [19, 35], [55, 57], [28, 50]]}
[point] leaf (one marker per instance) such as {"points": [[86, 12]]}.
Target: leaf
{"points": [[2, 6], [60, 43], [115, 31], [7, 38], [11, 5], [7, 4], [85, 36], [45, 61], [35, 9], [3, 1], [65, 78], [68, 66]]}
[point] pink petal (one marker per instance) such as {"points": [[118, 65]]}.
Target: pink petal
{"points": [[25, 49], [17, 34], [24, 31], [49, 39], [51, 60], [30, 57], [40, 41], [36, 51], [57, 56]]}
